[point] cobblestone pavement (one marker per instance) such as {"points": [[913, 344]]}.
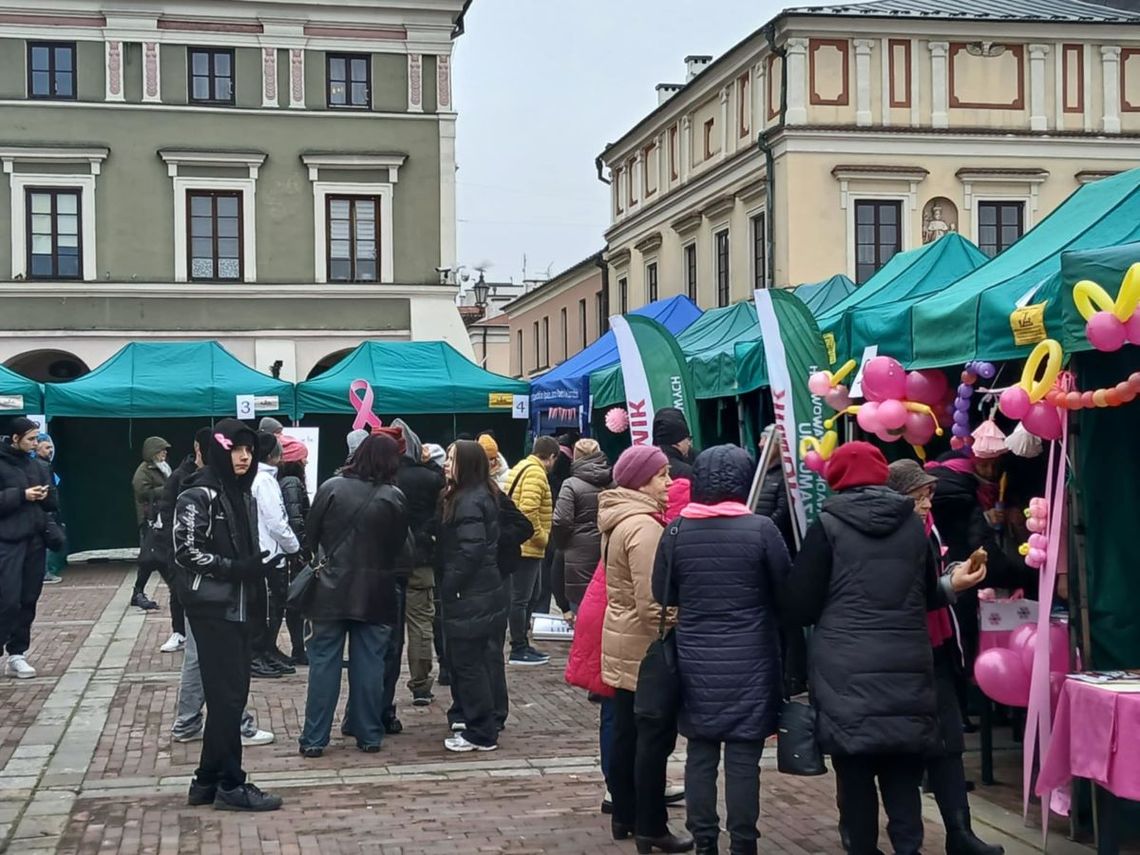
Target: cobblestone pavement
{"points": [[87, 765]]}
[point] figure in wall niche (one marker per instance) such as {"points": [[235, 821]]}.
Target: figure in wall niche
{"points": [[939, 217]]}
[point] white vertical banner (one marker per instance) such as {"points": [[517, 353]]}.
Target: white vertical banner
{"points": [[639, 401]]}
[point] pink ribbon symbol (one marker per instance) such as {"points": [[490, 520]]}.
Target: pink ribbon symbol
{"points": [[363, 405]]}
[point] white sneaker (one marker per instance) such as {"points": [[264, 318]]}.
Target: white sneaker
{"points": [[175, 643], [262, 737], [460, 744], [19, 668]]}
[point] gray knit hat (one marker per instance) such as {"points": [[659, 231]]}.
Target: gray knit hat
{"points": [[354, 440], [268, 424], [907, 476]]}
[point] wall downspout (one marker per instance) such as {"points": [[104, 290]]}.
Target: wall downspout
{"points": [[763, 142]]}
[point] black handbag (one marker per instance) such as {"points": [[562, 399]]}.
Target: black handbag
{"points": [[658, 694], [797, 751]]}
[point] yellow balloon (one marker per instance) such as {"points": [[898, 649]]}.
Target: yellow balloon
{"points": [[1129, 296], [1047, 355], [824, 447], [1090, 298]]}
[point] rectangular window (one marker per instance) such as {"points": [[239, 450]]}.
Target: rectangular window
{"points": [[1000, 225], [651, 281], [565, 333], [353, 238], [349, 77], [546, 342], [623, 296], [710, 129], [215, 245], [582, 323], [211, 75], [536, 345], [648, 174], [691, 271], [723, 287], [878, 236], [760, 251], [673, 152], [631, 181], [617, 191], [519, 343], [744, 107], [603, 307], [54, 232], [51, 71]]}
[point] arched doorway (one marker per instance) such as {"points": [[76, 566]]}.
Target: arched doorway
{"points": [[48, 366], [328, 362]]}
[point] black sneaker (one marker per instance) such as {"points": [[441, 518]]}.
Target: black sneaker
{"points": [[533, 651], [525, 657], [142, 601], [393, 726], [246, 797], [263, 671], [423, 699], [201, 794], [278, 665]]}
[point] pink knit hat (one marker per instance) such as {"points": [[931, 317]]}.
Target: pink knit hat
{"points": [[293, 450], [637, 466]]}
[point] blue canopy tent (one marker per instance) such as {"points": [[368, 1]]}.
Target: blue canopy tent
{"points": [[568, 385]]}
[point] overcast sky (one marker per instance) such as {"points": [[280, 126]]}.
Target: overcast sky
{"points": [[541, 86]]}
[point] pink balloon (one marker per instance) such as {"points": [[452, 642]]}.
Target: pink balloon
{"points": [[1058, 650], [1022, 636], [919, 429], [868, 417], [1036, 558], [1105, 332], [1002, 677], [883, 378], [1035, 525], [885, 435], [1132, 327], [838, 399], [926, 387], [819, 383], [892, 414], [1014, 403], [814, 461], [1043, 420], [1038, 541]]}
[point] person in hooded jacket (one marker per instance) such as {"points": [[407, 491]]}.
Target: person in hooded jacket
{"points": [[147, 483], [630, 520], [945, 771], [865, 577], [293, 479], [727, 565], [672, 435], [216, 550], [473, 599], [26, 498], [359, 523], [56, 558], [575, 528]]}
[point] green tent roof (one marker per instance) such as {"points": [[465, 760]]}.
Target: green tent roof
{"points": [[410, 378], [821, 297], [972, 319], [166, 380], [18, 394]]}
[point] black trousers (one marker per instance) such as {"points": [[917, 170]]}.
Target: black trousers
{"points": [[21, 582], [437, 635], [177, 613], [395, 653], [258, 613], [478, 686], [637, 767], [899, 778], [278, 591], [223, 658], [741, 789], [294, 620], [540, 602]]}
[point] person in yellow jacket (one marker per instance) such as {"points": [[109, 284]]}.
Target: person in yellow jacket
{"points": [[528, 486]]}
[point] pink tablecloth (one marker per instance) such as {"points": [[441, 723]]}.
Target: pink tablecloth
{"points": [[1094, 737]]}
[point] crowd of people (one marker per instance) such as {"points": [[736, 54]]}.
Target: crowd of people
{"points": [[451, 552]]}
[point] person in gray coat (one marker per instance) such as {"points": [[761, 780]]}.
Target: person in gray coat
{"points": [[575, 531]]}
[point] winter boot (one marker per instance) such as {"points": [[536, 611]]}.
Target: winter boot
{"points": [[961, 840]]}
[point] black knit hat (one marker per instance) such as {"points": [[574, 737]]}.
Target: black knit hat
{"points": [[670, 427]]}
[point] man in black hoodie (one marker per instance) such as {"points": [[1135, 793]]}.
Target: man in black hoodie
{"points": [[216, 550], [672, 435], [26, 498]]}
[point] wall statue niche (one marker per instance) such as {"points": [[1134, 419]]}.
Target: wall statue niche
{"points": [[939, 218]]}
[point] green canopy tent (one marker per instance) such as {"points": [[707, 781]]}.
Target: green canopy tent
{"points": [[972, 319], [429, 384], [99, 422], [18, 394], [821, 297]]}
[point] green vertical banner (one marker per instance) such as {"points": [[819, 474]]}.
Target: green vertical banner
{"points": [[794, 350], [656, 375]]}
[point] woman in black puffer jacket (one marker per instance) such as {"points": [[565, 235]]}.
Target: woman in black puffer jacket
{"points": [[727, 565], [295, 492], [473, 599], [575, 531]]}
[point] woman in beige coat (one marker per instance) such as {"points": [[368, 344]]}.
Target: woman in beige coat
{"points": [[631, 522]]}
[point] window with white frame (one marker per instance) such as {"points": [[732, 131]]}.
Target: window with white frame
{"points": [[353, 238], [214, 245], [651, 282], [54, 237], [760, 250]]}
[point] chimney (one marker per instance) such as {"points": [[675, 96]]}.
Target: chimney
{"points": [[694, 65], [665, 91]]}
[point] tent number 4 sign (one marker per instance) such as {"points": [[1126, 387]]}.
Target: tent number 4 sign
{"points": [[520, 408]]}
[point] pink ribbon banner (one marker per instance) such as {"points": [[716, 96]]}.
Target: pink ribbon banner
{"points": [[365, 417]]}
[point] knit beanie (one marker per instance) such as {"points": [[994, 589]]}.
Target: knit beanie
{"points": [[354, 439], [437, 453], [270, 425], [856, 464], [670, 427], [395, 434], [293, 450], [585, 448], [637, 466], [907, 476], [490, 447]]}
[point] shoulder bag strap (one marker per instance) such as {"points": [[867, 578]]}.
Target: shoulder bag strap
{"points": [[670, 546], [515, 483], [351, 527]]}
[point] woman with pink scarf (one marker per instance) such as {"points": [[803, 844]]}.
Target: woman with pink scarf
{"points": [[727, 564]]}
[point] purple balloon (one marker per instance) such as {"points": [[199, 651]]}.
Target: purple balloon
{"points": [[962, 405], [986, 370], [965, 390], [961, 418], [961, 431]]}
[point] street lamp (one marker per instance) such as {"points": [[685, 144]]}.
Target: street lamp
{"points": [[482, 289]]}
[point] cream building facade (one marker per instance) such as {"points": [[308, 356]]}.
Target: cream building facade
{"points": [[834, 137]]}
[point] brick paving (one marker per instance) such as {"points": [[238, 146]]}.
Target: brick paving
{"points": [[87, 766]]}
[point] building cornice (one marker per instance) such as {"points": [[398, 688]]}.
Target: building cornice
{"points": [[94, 155], [226, 291], [359, 161], [175, 158], [227, 111]]}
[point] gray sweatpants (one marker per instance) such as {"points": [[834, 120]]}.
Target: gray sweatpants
{"points": [[192, 697]]}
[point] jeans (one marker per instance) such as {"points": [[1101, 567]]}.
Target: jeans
{"points": [[540, 600], [640, 753], [395, 653], [21, 583], [741, 789], [192, 697], [420, 614], [899, 779], [367, 649], [606, 724], [223, 650], [478, 687], [524, 588]]}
